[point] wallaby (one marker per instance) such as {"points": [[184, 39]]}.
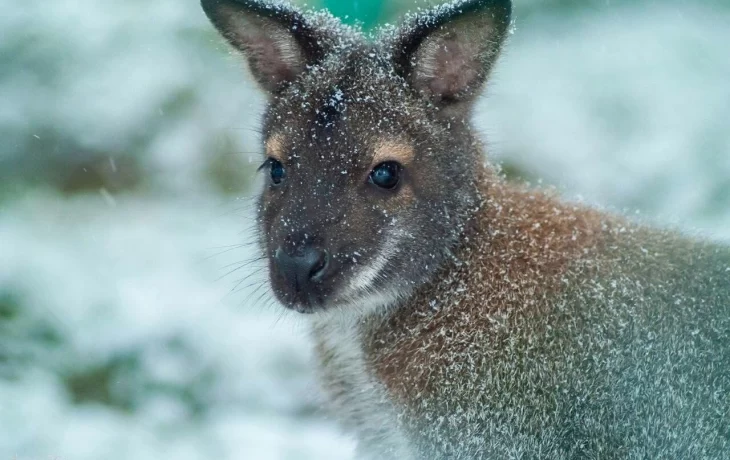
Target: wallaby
{"points": [[456, 315]]}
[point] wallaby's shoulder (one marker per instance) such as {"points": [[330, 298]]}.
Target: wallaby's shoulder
{"points": [[525, 253], [548, 305], [519, 249]]}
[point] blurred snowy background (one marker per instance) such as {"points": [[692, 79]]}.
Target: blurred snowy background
{"points": [[127, 147]]}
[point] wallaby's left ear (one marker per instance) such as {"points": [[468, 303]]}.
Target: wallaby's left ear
{"points": [[447, 53], [278, 41]]}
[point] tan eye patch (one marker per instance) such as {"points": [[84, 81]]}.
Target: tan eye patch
{"points": [[393, 150], [274, 147]]}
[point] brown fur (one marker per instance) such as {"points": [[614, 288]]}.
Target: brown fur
{"points": [[274, 147], [393, 150], [518, 248]]}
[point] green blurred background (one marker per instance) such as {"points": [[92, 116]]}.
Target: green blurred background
{"points": [[132, 324]]}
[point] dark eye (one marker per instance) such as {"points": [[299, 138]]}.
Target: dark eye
{"points": [[278, 173], [386, 175]]}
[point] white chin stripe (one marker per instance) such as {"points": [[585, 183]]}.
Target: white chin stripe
{"points": [[362, 282]]}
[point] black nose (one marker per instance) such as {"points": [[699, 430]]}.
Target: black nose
{"points": [[304, 268]]}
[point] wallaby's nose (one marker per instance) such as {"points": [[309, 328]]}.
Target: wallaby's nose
{"points": [[304, 268]]}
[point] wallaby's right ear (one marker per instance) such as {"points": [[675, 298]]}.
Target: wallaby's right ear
{"points": [[277, 40]]}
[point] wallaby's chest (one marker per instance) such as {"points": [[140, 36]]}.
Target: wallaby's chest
{"points": [[354, 393]]}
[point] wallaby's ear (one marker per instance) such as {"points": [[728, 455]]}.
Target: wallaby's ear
{"points": [[277, 40], [447, 53]]}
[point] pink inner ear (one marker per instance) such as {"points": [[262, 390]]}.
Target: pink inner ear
{"points": [[273, 54], [270, 60], [455, 68]]}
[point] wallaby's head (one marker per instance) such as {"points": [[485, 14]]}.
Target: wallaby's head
{"points": [[371, 167]]}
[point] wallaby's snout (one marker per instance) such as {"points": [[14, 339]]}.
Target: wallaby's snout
{"points": [[301, 267]]}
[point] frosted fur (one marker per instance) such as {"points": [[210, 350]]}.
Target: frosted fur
{"points": [[505, 323], [557, 332]]}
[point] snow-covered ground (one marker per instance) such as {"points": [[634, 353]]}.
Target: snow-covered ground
{"points": [[127, 328]]}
